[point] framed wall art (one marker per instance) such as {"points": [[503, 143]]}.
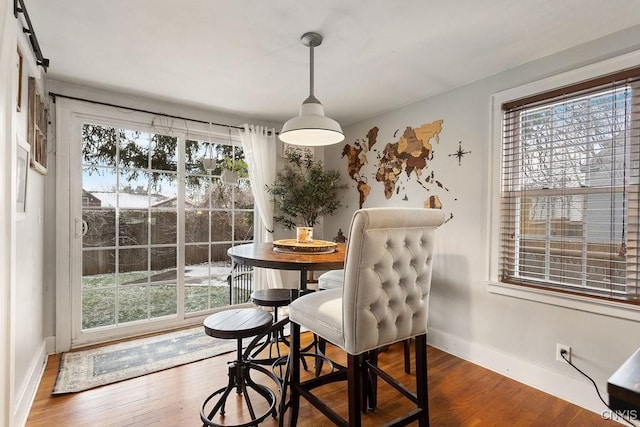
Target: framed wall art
{"points": [[296, 148], [19, 71], [37, 129], [22, 171]]}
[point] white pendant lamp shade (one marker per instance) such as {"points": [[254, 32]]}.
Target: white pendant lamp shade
{"points": [[311, 127]]}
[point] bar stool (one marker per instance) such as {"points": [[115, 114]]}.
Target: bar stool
{"points": [[238, 324], [274, 298]]}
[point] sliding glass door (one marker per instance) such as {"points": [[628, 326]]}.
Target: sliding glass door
{"points": [[152, 227], [217, 215]]}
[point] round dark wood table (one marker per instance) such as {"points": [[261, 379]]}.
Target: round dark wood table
{"points": [[263, 255]]}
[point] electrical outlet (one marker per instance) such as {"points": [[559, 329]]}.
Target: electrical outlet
{"points": [[559, 349]]}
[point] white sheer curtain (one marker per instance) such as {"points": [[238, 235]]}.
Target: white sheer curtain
{"points": [[259, 146]]}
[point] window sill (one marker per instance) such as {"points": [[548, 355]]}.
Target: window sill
{"points": [[575, 302]]}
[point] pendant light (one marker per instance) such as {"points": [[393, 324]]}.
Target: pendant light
{"points": [[311, 127]]}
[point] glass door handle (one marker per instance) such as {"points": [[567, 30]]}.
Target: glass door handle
{"points": [[81, 227]]}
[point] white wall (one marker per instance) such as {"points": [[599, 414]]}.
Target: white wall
{"points": [[29, 339], [23, 343], [513, 336], [7, 151]]}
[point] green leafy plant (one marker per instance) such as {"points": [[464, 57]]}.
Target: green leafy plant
{"points": [[303, 191], [238, 165]]}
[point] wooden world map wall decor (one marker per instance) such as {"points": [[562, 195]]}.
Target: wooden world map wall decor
{"points": [[407, 158]]}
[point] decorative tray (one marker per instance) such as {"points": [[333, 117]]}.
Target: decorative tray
{"points": [[314, 247]]}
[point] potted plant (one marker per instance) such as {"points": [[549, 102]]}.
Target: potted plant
{"points": [[303, 191], [232, 170]]}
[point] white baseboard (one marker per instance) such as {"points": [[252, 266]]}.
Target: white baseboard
{"points": [[562, 386], [26, 395]]}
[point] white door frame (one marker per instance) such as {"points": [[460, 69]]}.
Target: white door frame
{"points": [[70, 114]]}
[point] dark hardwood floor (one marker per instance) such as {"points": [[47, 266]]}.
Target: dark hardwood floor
{"points": [[460, 394]]}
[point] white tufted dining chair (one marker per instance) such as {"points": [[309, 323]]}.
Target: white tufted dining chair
{"points": [[333, 279], [384, 299]]}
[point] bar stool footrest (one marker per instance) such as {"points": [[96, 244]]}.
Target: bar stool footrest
{"points": [[241, 384]]}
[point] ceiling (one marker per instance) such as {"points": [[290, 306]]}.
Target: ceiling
{"points": [[245, 57]]}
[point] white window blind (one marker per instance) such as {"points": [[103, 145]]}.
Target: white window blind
{"points": [[569, 199]]}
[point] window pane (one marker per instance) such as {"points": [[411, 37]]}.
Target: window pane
{"points": [[133, 227], [195, 152], [560, 216], [98, 268], [163, 300], [208, 267], [221, 196], [163, 189], [100, 227], [197, 278], [220, 226], [164, 155], [244, 196], [197, 191], [196, 226], [133, 189], [134, 149], [163, 264], [133, 261], [132, 303], [164, 227], [243, 226], [99, 145], [98, 308], [196, 263], [220, 258], [97, 180]]}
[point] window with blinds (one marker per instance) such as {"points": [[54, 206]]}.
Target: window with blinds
{"points": [[569, 199]]}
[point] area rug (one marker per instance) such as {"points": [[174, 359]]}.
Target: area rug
{"points": [[83, 370]]}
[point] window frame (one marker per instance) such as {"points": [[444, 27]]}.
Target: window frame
{"points": [[616, 308]]}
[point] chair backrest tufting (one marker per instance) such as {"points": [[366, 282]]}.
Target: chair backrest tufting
{"points": [[387, 276]]}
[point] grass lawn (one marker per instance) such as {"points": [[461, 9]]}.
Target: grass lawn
{"points": [[106, 304]]}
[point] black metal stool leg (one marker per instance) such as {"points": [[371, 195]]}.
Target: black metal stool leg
{"points": [[223, 399], [283, 393], [247, 400], [238, 364], [274, 336], [240, 380], [321, 348], [220, 404], [294, 352]]}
